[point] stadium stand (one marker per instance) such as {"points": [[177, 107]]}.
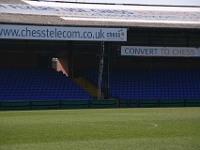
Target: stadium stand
{"points": [[128, 84], [38, 84]]}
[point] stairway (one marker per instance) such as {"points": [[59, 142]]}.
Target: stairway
{"points": [[88, 86]]}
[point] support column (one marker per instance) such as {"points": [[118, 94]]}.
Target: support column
{"points": [[70, 58], [106, 71], [101, 65]]}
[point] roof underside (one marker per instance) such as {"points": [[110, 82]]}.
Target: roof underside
{"points": [[69, 14]]}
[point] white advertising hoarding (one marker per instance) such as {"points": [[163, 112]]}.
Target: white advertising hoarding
{"points": [[62, 33], [160, 51]]}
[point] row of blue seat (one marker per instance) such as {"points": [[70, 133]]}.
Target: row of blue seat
{"points": [[142, 84], [38, 84]]}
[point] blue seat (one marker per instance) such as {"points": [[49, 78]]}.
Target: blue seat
{"points": [[158, 84], [38, 84]]}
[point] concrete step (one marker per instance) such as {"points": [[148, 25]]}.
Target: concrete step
{"points": [[88, 86]]}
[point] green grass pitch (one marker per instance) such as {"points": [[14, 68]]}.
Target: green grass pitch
{"points": [[101, 129]]}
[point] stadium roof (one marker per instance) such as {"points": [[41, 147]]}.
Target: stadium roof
{"points": [[80, 14], [135, 2]]}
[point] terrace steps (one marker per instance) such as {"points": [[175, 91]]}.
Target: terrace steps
{"points": [[88, 86]]}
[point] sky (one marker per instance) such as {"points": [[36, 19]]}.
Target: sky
{"points": [[141, 2]]}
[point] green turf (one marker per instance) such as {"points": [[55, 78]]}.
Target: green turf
{"points": [[101, 129]]}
